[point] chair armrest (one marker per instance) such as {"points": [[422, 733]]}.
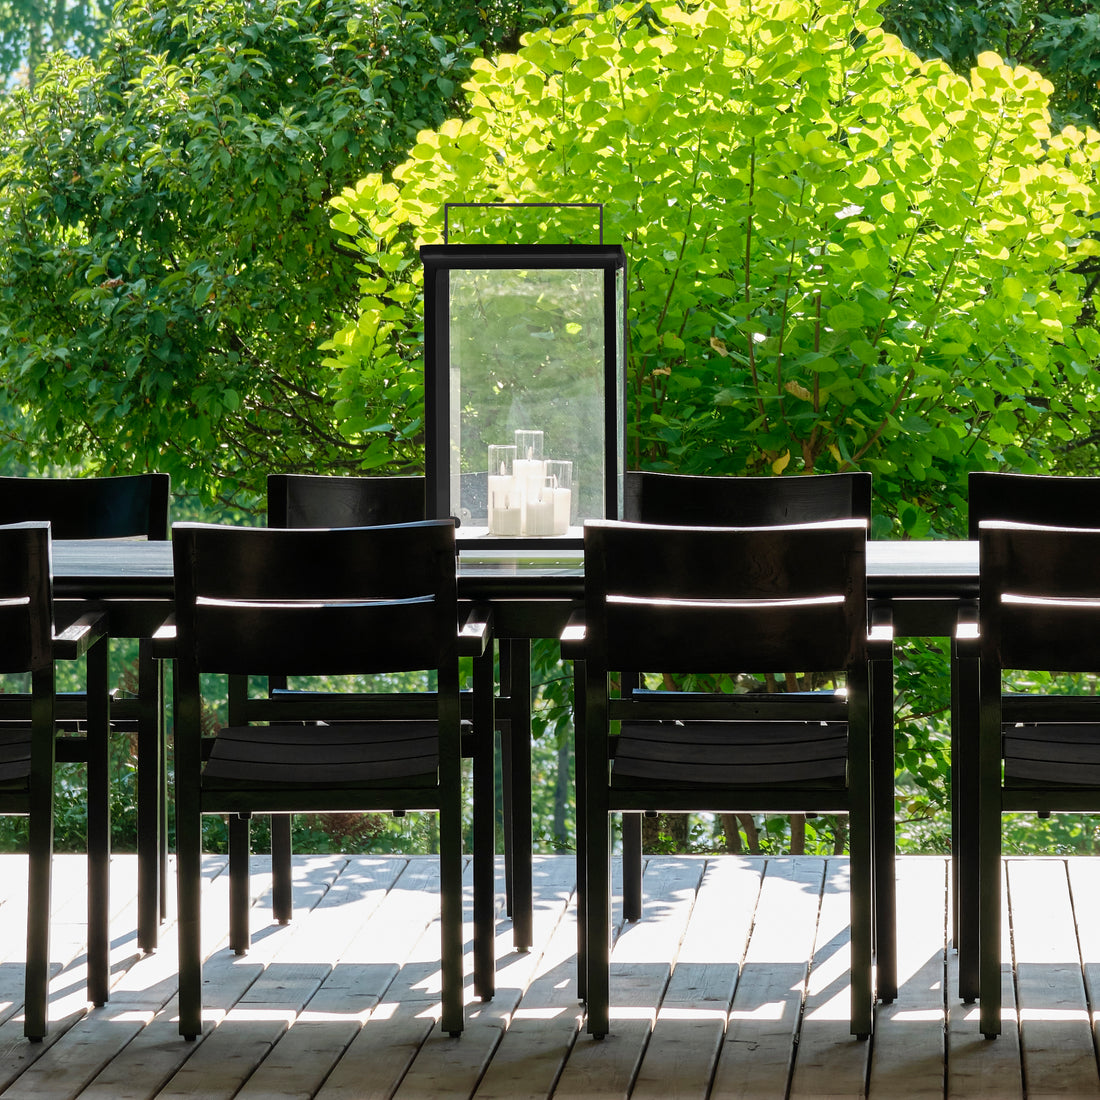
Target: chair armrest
{"points": [[880, 635], [80, 635], [967, 638], [164, 640], [573, 638], [475, 632]]}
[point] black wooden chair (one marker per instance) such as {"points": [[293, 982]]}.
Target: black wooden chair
{"points": [[320, 500], [30, 644], [131, 506], [1039, 610], [354, 601], [687, 600], [713, 501], [1047, 500]]}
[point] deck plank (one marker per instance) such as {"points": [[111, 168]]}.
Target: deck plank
{"points": [[641, 965], [831, 1063], [1055, 1029], [908, 1051], [976, 1066], [690, 1027], [758, 1051]]}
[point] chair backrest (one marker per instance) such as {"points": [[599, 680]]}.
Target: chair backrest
{"points": [[708, 501], [1046, 499], [720, 599], [132, 506], [1039, 596], [315, 602], [318, 500], [26, 612]]}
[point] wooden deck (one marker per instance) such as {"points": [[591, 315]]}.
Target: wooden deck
{"points": [[733, 985]]}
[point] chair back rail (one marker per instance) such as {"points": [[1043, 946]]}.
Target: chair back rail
{"points": [[309, 500], [678, 599], [131, 506], [1040, 596], [1049, 499], [354, 600], [713, 501]]}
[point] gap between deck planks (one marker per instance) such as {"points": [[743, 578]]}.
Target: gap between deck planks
{"points": [[734, 984]]}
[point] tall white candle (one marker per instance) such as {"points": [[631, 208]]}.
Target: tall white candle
{"points": [[563, 503]]}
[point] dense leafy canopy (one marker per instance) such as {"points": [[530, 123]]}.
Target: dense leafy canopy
{"points": [[840, 256], [30, 29], [166, 266], [1060, 38]]}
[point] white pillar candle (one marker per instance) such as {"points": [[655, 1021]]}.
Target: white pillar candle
{"points": [[503, 505], [563, 503], [504, 521], [540, 516]]}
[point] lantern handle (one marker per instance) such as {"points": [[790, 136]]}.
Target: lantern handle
{"points": [[448, 205]]}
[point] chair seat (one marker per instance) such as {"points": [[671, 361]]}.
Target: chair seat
{"points": [[15, 757], [730, 754], [1058, 754], [348, 754]]}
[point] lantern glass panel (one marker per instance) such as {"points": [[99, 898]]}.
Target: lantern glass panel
{"points": [[529, 357], [527, 354]]}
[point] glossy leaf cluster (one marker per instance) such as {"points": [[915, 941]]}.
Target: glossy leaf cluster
{"points": [[166, 265], [840, 256]]}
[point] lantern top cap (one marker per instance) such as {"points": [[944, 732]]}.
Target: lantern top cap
{"points": [[523, 255]]}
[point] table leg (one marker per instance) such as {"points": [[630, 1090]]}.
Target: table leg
{"points": [[520, 772]]}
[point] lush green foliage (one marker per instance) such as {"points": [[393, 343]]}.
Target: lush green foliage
{"points": [[166, 268], [1059, 38], [840, 256], [29, 29]]}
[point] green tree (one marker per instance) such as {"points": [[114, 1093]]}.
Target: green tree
{"points": [[166, 266], [30, 29], [1059, 38], [840, 256]]}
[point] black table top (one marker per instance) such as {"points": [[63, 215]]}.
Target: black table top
{"points": [[120, 569]]}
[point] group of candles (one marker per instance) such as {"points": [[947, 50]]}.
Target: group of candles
{"points": [[528, 494]]}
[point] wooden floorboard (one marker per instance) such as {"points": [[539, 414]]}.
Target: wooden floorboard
{"points": [[735, 983]]}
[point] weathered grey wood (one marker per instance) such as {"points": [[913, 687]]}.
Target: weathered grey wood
{"points": [[1055, 1029], [908, 1053], [691, 1022], [344, 1002], [977, 1066], [830, 1062], [1084, 881], [641, 963], [759, 1045]]}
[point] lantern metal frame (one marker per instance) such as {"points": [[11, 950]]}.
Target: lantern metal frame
{"points": [[443, 266]]}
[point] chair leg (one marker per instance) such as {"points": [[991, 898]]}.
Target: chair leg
{"points": [[965, 864], [37, 975], [189, 862], [450, 881], [989, 854], [282, 873], [150, 807], [99, 824], [520, 770], [484, 828], [632, 866], [597, 844], [581, 798], [598, 917], [239, 937], [884, 846]]}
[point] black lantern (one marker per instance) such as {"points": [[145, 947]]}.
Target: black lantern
{"points": [[525, 350]]}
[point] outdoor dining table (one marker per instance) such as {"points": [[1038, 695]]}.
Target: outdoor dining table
{"points": [[532, 595]]}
